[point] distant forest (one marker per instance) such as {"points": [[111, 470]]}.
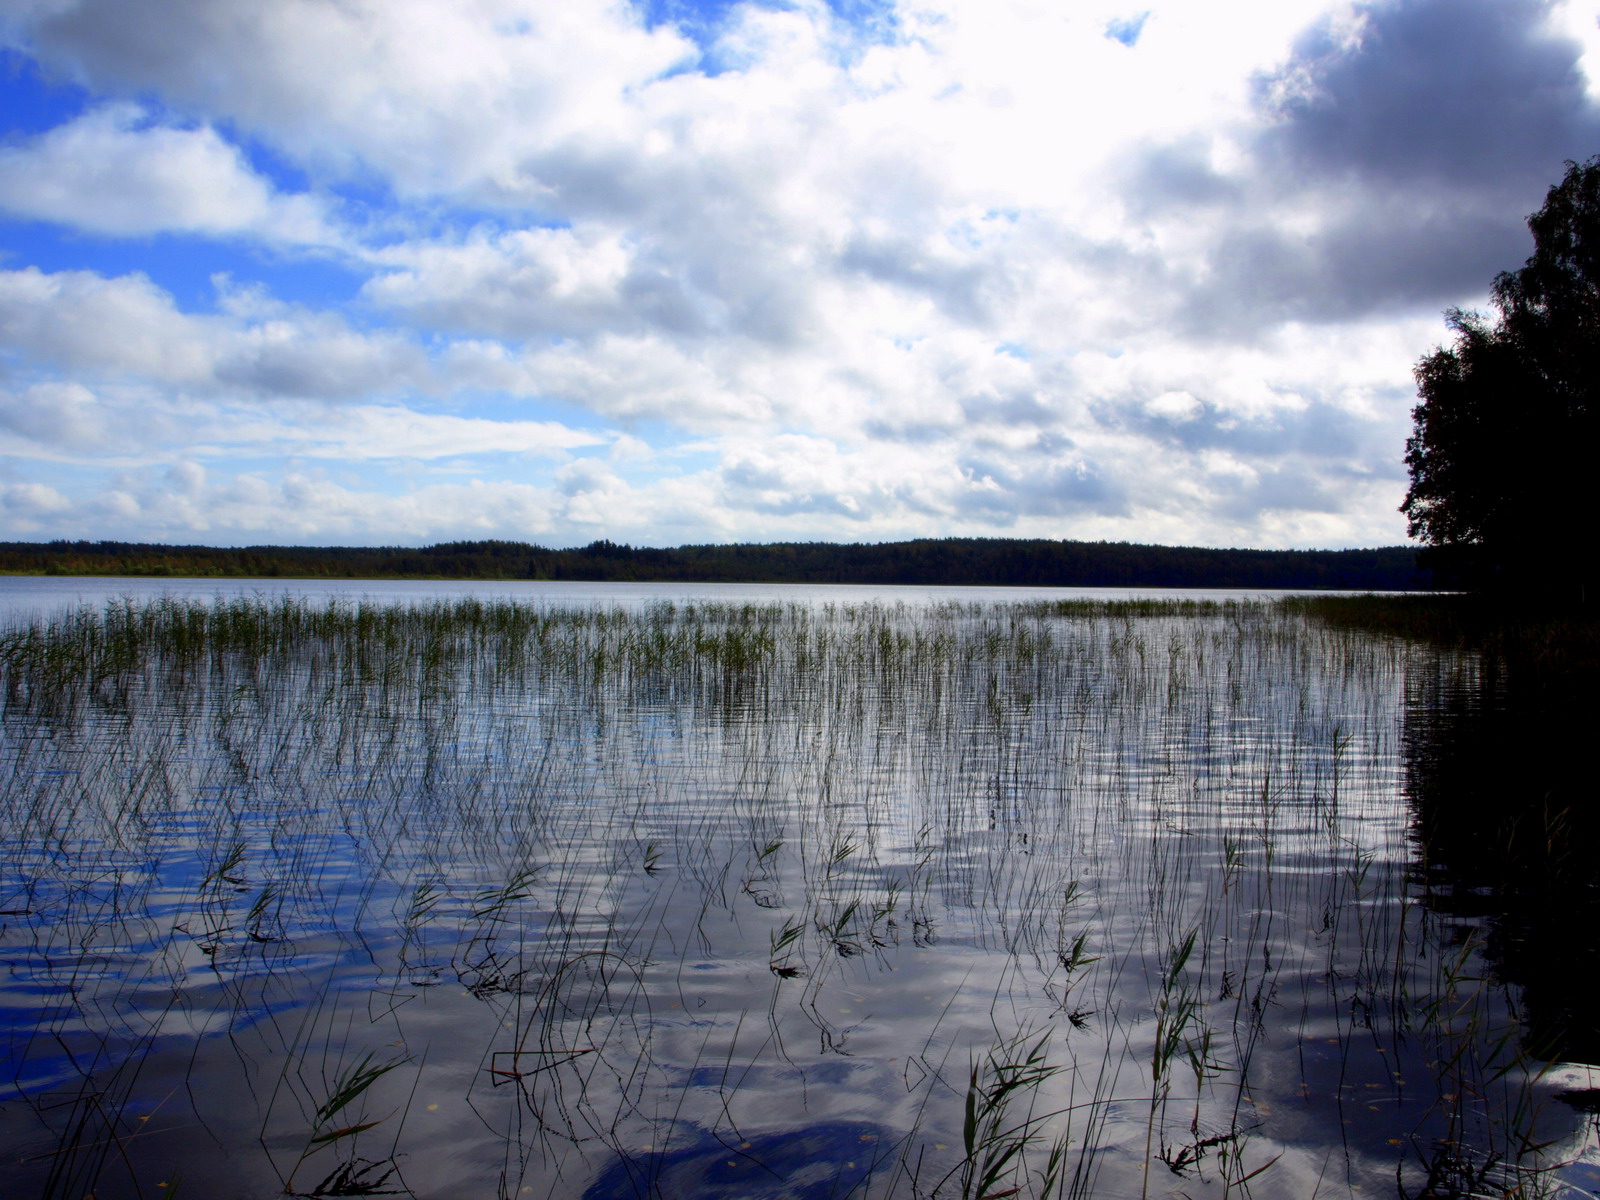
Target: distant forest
{"points": [[1001, 561]]}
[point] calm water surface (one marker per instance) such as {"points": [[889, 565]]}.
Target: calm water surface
{"points": [[27, 596], [743, 899]]}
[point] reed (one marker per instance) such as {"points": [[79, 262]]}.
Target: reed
{"points": [[1045, 899]]}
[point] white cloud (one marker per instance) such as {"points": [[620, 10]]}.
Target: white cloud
{"points": [[29, 500], [67, 423], [632, 377], [1174, 406], [126, 327], [978, 269], [375, 432], [112, 171], [1578, 20], [82, 321], [306, 508], [523, 283], [57, 415], [436, 97]]}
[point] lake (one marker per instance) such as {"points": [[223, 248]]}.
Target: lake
{"points": [[754, 893], [23, 596]]}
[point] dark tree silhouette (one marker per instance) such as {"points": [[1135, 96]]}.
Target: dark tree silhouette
{"points": [[928, 561], [1502, 458]]}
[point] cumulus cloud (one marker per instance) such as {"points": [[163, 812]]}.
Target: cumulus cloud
{"points": [[375, 432], [1155, 272], [645, 377], [794, 475], [112, 171], [306, 507], [436, 97], [28, 502], [1467, 95], [132, 425], [519, 284], [59, 417], [1395, 150], [86, 324]]}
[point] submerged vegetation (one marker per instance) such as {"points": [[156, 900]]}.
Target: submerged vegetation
{"points": [[478, 898]]}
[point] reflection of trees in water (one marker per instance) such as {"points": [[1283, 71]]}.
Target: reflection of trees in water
{"points": [[1499, 770]]}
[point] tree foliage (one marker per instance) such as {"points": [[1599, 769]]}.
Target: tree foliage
{"points": [[1502, 453]]}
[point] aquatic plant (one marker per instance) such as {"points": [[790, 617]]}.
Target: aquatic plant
{"points": [[1048, 899]]}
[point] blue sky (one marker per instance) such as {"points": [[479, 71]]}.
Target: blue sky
{"points": [[418, 270]]}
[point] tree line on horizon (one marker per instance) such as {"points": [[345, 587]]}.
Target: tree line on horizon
{"points": [[952, 561]]}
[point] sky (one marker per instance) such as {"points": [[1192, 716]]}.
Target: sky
{"points": [[397, 272]]}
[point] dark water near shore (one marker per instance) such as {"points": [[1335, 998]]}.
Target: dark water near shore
{"points": [[736, 899], [1500, 777]]}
